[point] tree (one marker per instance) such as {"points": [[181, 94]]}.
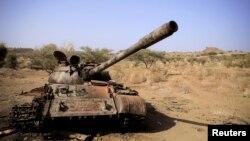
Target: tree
{"points": [[3, 53], [97, 55], [148, 57], [43, 58]]}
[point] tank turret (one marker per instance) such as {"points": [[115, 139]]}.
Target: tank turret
{"points": [[73, 73]]}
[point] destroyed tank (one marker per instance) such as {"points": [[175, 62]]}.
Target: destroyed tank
{"points": [[83, 91]]}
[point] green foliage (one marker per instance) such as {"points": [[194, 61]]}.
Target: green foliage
{"points": [[3, 53], [148, 57], [11, 61], [97, 55], [43, 58]]}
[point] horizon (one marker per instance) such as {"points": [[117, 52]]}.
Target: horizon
{"points": [[146, 48], [116, 25]]}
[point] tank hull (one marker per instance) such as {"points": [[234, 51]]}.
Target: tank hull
{"points": [[91, 100]]}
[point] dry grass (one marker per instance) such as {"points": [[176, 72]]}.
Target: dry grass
{"points": [[211, 77]]}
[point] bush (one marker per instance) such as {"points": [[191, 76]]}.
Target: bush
{"points": [[212, 53], [11, 61], [94, 55], [43, 58], [3, 53]]}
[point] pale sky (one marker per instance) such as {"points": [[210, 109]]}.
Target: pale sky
{"points": [[116, 24]]}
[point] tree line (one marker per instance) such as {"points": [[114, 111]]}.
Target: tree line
{"points": [[42, 58]]}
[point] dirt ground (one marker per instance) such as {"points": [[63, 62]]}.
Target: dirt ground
{"points": [[180, 108]]}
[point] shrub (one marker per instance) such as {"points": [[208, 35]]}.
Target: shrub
{"points": [[212, 53], [43, 58], [97, 55], [3, 53], [11, 61]]}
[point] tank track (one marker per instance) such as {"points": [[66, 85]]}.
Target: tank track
{"points": [[27, 116]]}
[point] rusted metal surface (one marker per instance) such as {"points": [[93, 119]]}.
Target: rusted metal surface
{"points": [[130, 104], [82, 107], [79, 100], [84, 90], [97, 91]]}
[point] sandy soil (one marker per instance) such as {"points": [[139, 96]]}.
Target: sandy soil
{"points": [[178, 109]]}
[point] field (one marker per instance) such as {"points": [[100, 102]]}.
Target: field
{"points": [[184, 95]]}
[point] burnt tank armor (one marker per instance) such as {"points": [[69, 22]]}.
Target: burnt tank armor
{"points": [[86, 90]]}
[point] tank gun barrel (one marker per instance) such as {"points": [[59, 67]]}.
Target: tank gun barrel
{"points": [[155, 36]]}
